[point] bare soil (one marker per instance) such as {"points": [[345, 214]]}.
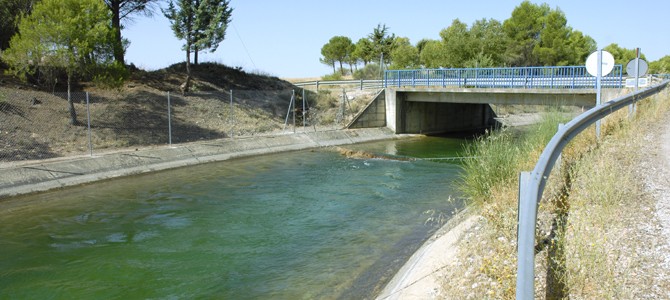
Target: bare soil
{"points": [[35, 123]]}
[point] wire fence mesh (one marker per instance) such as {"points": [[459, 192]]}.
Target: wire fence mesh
{"points": [[36, 125]]}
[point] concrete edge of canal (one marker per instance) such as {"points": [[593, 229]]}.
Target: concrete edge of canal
{"points": [[44, 175]]}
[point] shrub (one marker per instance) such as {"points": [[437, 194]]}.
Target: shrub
{"points": [[110, 76], [334, 76], [370, 71]]}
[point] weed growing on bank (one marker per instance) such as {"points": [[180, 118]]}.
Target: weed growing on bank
{"points": [[496, 158]]}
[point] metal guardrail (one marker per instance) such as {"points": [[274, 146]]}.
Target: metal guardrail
{"points": [[532, 184], [568, 77], [362, 84]]}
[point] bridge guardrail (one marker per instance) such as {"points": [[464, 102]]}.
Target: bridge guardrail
{"points": [[571, 77], [358, 83], [531, 184]]}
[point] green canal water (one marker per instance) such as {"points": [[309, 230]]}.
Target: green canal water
{"points": [[300, 225]]}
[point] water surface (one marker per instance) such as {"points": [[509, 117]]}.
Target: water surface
{"points": [[301, 225]]}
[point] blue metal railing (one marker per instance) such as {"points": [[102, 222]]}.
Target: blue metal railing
{"points": [[569, 77]]}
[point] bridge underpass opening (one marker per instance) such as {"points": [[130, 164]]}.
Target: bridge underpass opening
{"points": [[410, 112], [433, 117]]}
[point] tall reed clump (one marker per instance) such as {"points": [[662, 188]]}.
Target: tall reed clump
{"points": [[496, 158]]}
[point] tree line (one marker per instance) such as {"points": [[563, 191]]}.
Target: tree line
{"points": [[44, 40], [534, 35]]}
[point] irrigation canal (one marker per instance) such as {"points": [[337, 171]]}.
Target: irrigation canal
{"points": [[307, 224]]}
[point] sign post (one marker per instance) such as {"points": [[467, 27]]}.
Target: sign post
{"points": [[636, 68], [599, 64]]}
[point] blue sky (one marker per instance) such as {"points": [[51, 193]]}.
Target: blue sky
{"points": [[284, 38]]}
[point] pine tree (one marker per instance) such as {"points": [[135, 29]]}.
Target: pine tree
{"points": [[201, 24]]}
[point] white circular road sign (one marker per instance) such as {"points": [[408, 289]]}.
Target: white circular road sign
{"points": [[607, 63], [642, 66]]}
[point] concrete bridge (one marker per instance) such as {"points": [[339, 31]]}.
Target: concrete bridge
{"points": [[432, 101]]}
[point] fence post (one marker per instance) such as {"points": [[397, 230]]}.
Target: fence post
{"points": [[293, 107], [88, 117], [232, 112], [303, 110], [169, 120]]}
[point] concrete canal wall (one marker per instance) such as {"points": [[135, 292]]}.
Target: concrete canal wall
{"points": [[39, 176]]}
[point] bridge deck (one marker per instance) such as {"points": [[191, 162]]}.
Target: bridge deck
{"points": [[575, 97]]}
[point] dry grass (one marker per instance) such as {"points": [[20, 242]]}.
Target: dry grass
{"points": [[608, 240]]}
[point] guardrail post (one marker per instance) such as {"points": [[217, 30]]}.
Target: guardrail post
{"points": [[525, 280]]}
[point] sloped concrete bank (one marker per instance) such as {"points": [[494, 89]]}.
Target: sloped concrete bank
{"points": [[25, 178]]}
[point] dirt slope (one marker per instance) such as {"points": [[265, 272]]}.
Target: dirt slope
{"points": [[36, 122]]}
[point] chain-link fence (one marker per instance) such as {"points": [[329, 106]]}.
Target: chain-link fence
{"points": [[36, 125]]}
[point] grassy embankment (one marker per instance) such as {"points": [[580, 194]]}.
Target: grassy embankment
{"points": [[585, 245]]}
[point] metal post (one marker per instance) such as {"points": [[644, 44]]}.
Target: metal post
{"points": [[361, 84], [88, 116], [631, 108], [169, 120], [232, 114], [293, 108], [288, 113], [599, 87], [303, 110], [398, 76], [444, 78], [525, 277], [343, 106]]}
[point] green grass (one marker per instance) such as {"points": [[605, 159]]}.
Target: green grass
{"points": [[497, 157]]}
